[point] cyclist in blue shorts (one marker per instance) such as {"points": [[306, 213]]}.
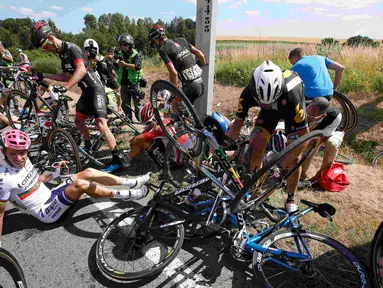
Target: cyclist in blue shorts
{"points": [[21, 184]]}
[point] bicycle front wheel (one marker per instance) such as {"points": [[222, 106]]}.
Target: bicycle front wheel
{"points": [[11, 274], [377, 256], [323, 262], [177, 125], [62, 147], [125, 253]]}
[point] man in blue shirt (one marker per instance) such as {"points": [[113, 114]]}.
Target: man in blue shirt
{"points": [[314, 74]]}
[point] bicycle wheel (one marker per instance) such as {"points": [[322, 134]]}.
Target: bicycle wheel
{"points": [[352, 112], [339, 103], [181, 122], [62, 147], [274, 173], [11, 274], [331, 264], [378, 161], [376, 260], [344, 159], [125, 253]]}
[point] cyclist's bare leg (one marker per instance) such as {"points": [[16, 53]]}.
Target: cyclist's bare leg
{"points": [[137, 145], [258, 142], [307, 163], [108, 136], [100, 177], [235, 128], [81, 186], [80, 121]]}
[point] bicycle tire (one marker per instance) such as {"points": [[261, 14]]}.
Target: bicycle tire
{"points": [[378, 160], [74, 158], [119, 223], [354, 265], [12, 266], [312, 139], [341, 105], [376, 258], [352, 112], [177, 119]]}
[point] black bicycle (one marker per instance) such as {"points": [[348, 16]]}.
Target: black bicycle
{"points": [[376, 260], [14, 275]]}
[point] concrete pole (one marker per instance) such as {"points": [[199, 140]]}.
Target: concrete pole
{"points": [[206, 22]]}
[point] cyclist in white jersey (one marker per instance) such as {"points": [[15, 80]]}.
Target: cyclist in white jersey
{"points": [[21, 184]]}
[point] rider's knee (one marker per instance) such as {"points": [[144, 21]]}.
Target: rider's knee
{"points": [[88, 173], [81, 185]]}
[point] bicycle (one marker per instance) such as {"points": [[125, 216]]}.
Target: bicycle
{"points": [[45, 131], [376, 257], [378, 160], [14, 276]]}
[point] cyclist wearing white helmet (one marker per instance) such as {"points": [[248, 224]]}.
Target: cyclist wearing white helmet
{"points": [[21, 184], [280, 96]]}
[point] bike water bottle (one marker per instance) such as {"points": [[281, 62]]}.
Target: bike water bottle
{"points": [[193, 196]]}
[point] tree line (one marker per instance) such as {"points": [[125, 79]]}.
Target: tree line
{"points": [[105, 30]]}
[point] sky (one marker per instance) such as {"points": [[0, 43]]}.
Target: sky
{"points": [[276, 18]]}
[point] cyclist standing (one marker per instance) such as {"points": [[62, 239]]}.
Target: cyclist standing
{"points": [[21, 183], [314, 74], [103, 67], [129, 75], [280, 96], [77, 70], [6, 59], [178, 56]]}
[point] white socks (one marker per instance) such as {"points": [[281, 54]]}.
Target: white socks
{"points": [[131, 194], [138, 181]]}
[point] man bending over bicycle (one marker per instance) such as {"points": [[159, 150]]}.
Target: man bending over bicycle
{"points": [[322, 116], [280, 96], [21, 183], [77, 70]]}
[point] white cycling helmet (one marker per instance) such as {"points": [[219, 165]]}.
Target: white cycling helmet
{"points": [[266, 83], [91, 46]]}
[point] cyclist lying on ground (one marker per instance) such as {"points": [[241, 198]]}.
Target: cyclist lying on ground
{"points": [[280, 96], [322, 116], [21, 183]]}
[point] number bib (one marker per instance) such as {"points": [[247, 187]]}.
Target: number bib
{"points": [[192, 73]]}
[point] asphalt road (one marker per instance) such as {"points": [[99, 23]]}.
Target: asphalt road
{"points": [[63, 254]]}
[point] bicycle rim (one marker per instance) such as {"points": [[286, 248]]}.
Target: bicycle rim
{"points": [[331, 264], [267, 180], [11, 274], [124, 253], [181, 122], [377, 256], [63, 148], [352, 112]]}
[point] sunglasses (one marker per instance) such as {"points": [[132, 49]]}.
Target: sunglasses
{"points": [[45, 44], [124, 44]]}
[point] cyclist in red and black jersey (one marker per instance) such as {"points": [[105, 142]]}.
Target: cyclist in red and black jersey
{"points": [[280, 96], [78, 70], [178, 56]]}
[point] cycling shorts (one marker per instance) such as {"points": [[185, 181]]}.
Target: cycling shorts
{"points": [[193, 89], [92, 102], [57, 204]]}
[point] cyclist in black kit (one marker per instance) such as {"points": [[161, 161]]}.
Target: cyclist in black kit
{"points": [[177, 55], [280, 96], [77, 70]]}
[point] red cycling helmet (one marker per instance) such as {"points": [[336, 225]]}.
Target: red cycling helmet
{"points": [[146, 113], [15, 139]]}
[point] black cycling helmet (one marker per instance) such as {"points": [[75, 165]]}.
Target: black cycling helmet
{"points": [[156, 32], [126, 39], [39, 32]]}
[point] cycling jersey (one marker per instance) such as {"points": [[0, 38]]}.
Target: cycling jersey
{"points": [[70, 55], [290, 106], [24, 58], [4, 62], [23, 189], [178, 51]]}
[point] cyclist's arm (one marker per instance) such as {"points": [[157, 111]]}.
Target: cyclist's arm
{"points": [[199, 54], [338, 73], [7, 57], [63, 77], [78, 74], [46, 177], [172, 73]]}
